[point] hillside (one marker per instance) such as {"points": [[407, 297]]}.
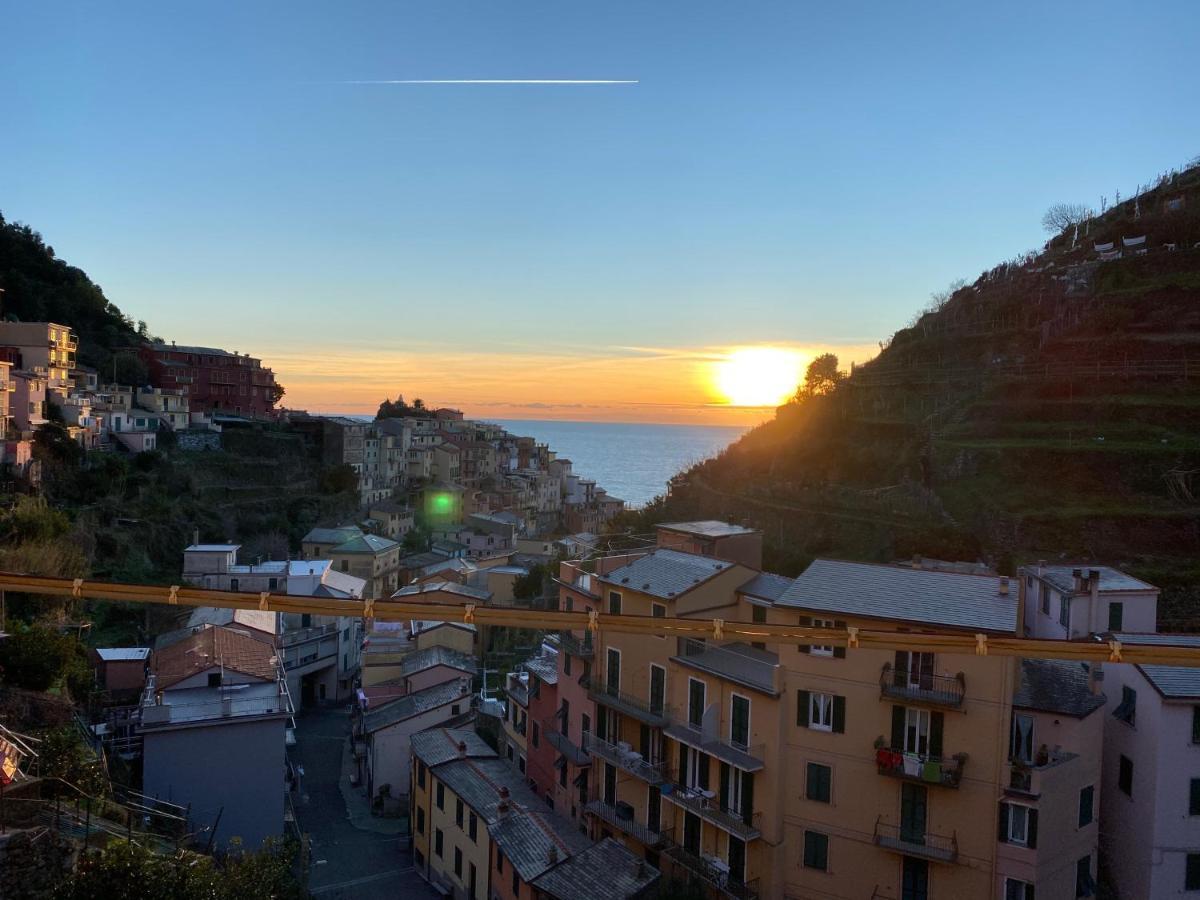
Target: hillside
{"points": [[1049, 410]]}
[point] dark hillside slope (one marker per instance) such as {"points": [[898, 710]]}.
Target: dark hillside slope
{"points": [[1051, 409]]}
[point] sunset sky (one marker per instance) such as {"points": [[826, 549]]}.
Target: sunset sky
{"points": [[782, 174]]}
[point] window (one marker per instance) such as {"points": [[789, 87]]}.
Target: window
{"points": [[1125, 775], [233, 582], [458, 862], [758, 615], [614, 603], [916, 731], [214, 679], [1191, 878], [695, 703], [441, 796], [499, 861], [817, 786], [564, 718], [1194, 798], [1017, 890], [915, 879], [1196, 724], [658, 688], [521, 764], [659, 611], [821, 712], [473, 881], [458, 813], [437, 843], [1126, 710], [1116, 616], [816, 850], [821, 650], [693, 768], [1021, 738], [586, 724], [1045, 601], [472, 826], [1064, 611], [1084, 885], [1018, 825], [1087, 804], [739, 721], [613, 673], [420, 820], [566, 663], [536, 734], [516, 882]]}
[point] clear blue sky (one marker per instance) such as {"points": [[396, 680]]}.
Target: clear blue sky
{"points": [[784, 171]]}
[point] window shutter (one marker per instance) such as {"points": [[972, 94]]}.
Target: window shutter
{"points": [[839, 652], [1194, 802], [897, 727], [724, 787], [1003, 834], [839, 714], [935, 734], [1031, 834], [1029, 892], [1196, 724], [702, 762], [805, 622], [748, 797], [601, 721], [683, 759], [802, 702]]}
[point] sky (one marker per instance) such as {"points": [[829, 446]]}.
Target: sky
{"points": [[784, 174]]}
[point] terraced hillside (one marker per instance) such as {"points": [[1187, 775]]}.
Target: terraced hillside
{"points": [[1049, 410]]}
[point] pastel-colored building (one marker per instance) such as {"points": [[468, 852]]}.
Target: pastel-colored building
{"points": [[46, 348]]}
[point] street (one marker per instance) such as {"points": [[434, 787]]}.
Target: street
{"points": [[353, 854]]}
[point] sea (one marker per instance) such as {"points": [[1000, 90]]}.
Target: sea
{"points": [[632, 461]]}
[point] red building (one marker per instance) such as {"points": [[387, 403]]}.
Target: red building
{"points": [[543, 706], [215, 381]]}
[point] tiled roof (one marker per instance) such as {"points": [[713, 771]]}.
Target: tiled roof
{"points": [[707, 528], [258, 619], [1056, 686], [332, 535], [478, 783], [430, 657], [544, 667], [907, 595], [766, 586], [605, 871], [440, 745], [534, 841], [212, 647], [1111, 579], [366, 543], [1173, 682], [414, 704], [444, 587], [665, 573]]}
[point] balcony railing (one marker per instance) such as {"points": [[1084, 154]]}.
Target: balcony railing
{"points": [[746, 758], [584, 648], [299, 635], [706, 805], [713, 874], [921, 767], [551, 731], [622, 821], [519, 693], [625, 703], [912, 687], [911, 842], [1026, 777], [625, 758]]}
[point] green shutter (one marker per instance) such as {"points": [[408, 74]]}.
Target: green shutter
{"points": [[702, 762], [1003, 830], [897, 727], [683, 760], [839, 714], [839, 652], [1194, 803], [724, 787], [602, 722], [935, 734], [802, 704], [1196, 724], [1031, 833], [747, 797]]}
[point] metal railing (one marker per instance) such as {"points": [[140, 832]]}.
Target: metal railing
{"points": [[629, 825], [916, 843], [583, 648], [712, 875], [729, 751], [636, 707], [729, 662], [713, 810], [938, 690], [299, 635], [628, 759], [552, 732], [920, 767]]}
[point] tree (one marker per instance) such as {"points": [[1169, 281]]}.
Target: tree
{"points": [[36, 658], [1061, 216], [531, 585], [821, 377]]}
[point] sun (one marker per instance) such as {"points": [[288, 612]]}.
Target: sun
{"points": [[758, 376]]}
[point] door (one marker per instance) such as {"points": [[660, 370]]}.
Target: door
{"points": [[691, 833], [913, 798], [654, 810], [737, 860], [613, 681], [915, 881], [610, 785], [914, 670]]}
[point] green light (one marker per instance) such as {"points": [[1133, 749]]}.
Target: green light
{"points": [[442, 503]]}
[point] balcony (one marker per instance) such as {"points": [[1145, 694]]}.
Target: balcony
{"points": [[910, 843], [519, 693], [627, 704], [625, 757], [1026, 778], [583, 648], [923, 769], [748, 759], [706, 805], [931, 690], [741, 663], [622, 819], [714, 873], [560, 742]]}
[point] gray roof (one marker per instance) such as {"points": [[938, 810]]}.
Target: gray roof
{"points": [[1056, 686], [766, 586], [907, 595], [665, 573], [707, 528], [332, 535], [414, 704], [737, 662], [1173, 682], [1061, 578], [447, 587], [478, 783], [528, 837], [605, 871], [439, 745], [544, 667], [421, 660], [366, 543], [1159, 639]]}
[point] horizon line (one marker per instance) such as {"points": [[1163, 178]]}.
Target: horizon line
{"points": [[495, 81]]}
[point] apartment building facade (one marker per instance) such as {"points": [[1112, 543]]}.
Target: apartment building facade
{"points": [[214, 380]]}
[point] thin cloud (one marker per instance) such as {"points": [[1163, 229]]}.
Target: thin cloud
{"points": [[495, 81]]}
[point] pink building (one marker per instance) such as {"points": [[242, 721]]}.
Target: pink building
{"points": [[543, 709], [28, 400]]}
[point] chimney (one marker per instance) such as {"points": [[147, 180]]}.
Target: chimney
{"points": [[1041, 566], [552, 855], [462, 749], [1077, 576], [1003, 585], [502, 806], [1094, 585], [639, 869], [195, 535]]}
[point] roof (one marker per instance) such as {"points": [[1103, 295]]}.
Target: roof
{"points": [[431, 657], [709, 528], [1056, 686], [366, 543], [211, 647], [607, 870], [391, 506], [439, 745], [478, 783], [665, 573], [908, 595], [182, 348], [528, 838], [212, 548], [736, 661], [122, 654], [544, 667], [260, 620], [414, 704], [1063, 579], [446, 587], [766, 586], [1173, 682], [219, 705], [332, 535]]}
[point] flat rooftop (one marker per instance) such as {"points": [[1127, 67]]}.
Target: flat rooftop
{"points": [[709, 528]]}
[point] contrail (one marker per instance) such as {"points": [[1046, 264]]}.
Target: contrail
{"points": [[497, 81]]}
